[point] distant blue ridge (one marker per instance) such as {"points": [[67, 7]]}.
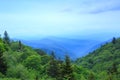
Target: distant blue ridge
{"points": [[74, 48]]}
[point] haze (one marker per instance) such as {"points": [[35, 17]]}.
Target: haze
{"points": [[61, 18]]}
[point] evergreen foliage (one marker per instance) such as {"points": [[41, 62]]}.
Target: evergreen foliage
{"points": [[3, 65], [67, 70], [104, 59], [6, 38], [114, 40], [21, 62]]}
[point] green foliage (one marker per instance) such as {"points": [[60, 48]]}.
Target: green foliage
{"points": [[91, 76], [33, 62], [21, 62], [3, 65], [114, 40], [9, 79], [1, 75], [39, 51], [19, 72], [16, 46], [104, 60], [20, 45], [2, 48], [6, 38], [53, 69], [67, 70], [45, 59]]}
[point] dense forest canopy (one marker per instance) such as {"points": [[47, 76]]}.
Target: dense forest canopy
{"points": [[21, 62]]}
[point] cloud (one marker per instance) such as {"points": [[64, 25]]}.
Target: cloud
{"points": [[105, 8], [96, 7], [92, 6], [66, 10]]}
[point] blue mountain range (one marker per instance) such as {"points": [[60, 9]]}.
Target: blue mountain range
{"points": [[75, 48]]}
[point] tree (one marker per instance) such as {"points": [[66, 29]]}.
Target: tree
{"points": [[40, 52], [68, 71], [33, 62], [91, 76], [53, 55], [53, 69], [3, 64], [113, 69], [18, 71], [16, 46], [20, 45], [6, 38], [114, 40]]}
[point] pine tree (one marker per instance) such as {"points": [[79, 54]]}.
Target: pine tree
{"points": [[6, 38], [53, 69], [114, 40], [20, 45], [53, 55], [68, 71]]}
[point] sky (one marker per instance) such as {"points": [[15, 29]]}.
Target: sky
{"points": [[61, 18]]}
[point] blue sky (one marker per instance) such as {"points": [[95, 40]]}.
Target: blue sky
{"points": [[64, 18]]}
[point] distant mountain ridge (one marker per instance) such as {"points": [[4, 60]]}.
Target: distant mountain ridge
{"points": [[61, 46]]}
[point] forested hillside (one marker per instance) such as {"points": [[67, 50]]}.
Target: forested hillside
{"points": [[104, 62], [21, 62]]}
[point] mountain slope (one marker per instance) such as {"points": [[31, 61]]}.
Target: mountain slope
{"points": [[61, 46], [106, 58]]}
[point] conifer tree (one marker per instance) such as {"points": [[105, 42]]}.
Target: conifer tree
{"points": [[20, 45], [68, 71], [53, 69], [114, 40], [6, 38]]}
